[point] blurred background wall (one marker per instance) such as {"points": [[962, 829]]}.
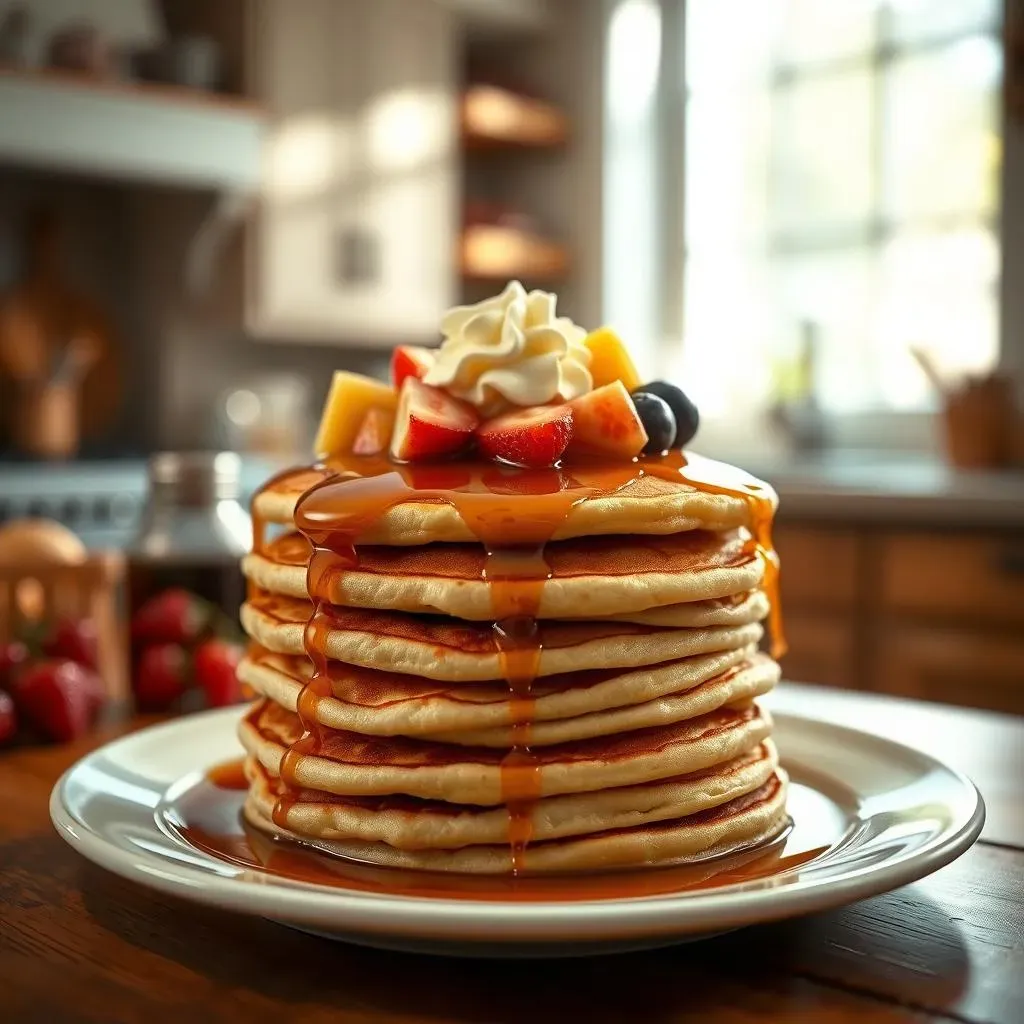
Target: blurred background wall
{"points": [[808, 213]]}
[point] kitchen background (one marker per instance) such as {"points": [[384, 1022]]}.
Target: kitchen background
{"points": [[808, 213]]}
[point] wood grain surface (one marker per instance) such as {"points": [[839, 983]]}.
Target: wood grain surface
{"points": [[78, 944]]}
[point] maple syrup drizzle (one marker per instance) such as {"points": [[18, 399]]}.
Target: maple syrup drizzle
{"points": [[513, 512]]}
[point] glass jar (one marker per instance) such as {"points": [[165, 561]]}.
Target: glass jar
{"points": [[193, 530]]}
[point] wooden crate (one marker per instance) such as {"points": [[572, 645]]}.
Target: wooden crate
{"points": [[33, 593]]}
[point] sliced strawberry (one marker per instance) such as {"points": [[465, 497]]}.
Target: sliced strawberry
{"points": [[605, 421], [430, 422], [527, 437], [410, 361], [374, 432]]}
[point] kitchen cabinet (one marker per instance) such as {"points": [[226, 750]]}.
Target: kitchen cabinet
{"points": [[915, 612], [353, 237], [973, 667]]}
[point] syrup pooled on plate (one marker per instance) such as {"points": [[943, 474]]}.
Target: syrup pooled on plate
{"points": [[513, 512], [208, 817]]}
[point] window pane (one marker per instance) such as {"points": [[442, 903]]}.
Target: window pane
{"points": [[819, 31], [916, 21], [836, 293], [821, 154], [730, 344], [726, 185], [941, 147], [938, 292], [717, 54]]}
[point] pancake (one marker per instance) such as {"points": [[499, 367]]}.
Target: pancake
{"points": [[412, 824], [351, 764], [590, 578], [438, 647], [646, 504], [573, 706], [746, 821]]}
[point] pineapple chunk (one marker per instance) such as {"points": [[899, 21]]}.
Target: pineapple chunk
{"points": [[351, 397], [609, 360]]}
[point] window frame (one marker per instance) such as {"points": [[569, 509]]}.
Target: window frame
{"points": [[892, 429]]}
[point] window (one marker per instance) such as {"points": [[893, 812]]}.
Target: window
{"points": [[841, 170]]}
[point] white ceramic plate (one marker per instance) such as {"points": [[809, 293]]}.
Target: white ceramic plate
{"points": [[885, 814]]}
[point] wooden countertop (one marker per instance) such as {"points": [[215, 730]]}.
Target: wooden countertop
{"points": [[78, 944], [888, 489]]}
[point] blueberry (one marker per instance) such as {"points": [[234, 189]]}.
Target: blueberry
{"points": [[658, 421], [685, 412]]}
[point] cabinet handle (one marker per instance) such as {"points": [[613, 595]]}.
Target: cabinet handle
{"points": [[1010, 562]]}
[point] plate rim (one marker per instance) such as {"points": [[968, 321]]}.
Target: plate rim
{"points": [[503, 921]]}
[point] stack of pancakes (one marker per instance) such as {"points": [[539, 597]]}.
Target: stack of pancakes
{"points": [[645, 742]]}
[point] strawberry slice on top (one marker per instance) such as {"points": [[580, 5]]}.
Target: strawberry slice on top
{"points": [[410, 361], [430, 423], [536, 436]]}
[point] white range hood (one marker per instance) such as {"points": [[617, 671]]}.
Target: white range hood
{"points": [[146, 134]]}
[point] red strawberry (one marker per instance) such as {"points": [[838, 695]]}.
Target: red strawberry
{"points": [[60, 699], [215, 664], [172, 617], [527, 437], [13, 656], [162, 675], [8, 719], [430, 422], [74, 639], [410, 361]]}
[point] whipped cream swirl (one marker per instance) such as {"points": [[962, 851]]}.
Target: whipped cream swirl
{"points": [[511, 350]]}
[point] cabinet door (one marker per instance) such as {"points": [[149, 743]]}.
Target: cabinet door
{"points": [[958, 666], [821, 649], [354, 235]]}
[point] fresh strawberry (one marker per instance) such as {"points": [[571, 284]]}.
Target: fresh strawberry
{"points": [[527, 437], [215, 665], [13, 656], [410, 361], [59, 699], [172, 617], [8, 718], [374, 432], [74, 639], [162, 675], [430, 422]]}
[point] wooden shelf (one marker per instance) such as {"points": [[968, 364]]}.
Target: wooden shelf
{"points": [[157, 91], [496, 119], [129, 131], [490, 253]]}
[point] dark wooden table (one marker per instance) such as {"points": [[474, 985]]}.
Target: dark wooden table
{"points": [[78, 944]]}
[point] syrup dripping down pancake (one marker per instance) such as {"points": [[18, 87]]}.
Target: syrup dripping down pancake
{"points": [[352, 764], [574, 706], [629, 502], [590, 578], [438, 647], [409, 823], [746, 821]]}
